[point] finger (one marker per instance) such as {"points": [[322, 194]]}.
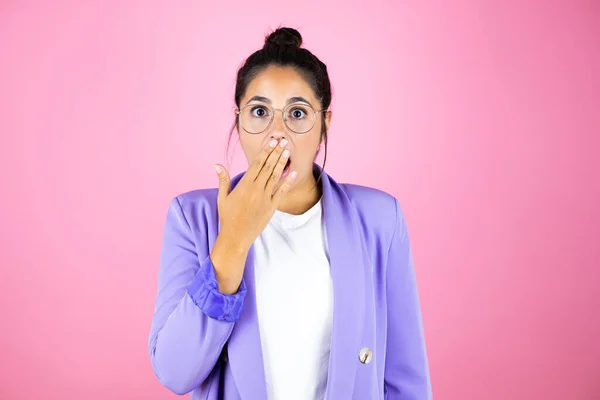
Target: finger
{"points": [[258, 162], [277, 171], [224, 182], [284, 188], [271, 163]]}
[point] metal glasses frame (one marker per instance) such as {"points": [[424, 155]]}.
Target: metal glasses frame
{"points": [[272, 116]]}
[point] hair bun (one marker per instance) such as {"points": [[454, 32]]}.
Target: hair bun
{"points": [[283, 37]]}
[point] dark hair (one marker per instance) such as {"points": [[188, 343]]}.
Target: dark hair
{"points": [[282, 48]]}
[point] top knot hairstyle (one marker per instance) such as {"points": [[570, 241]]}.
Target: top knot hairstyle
{"points": [[283, 47], [284, 37]]}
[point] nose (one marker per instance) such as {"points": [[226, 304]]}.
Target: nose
{"points": [[278, 130]]}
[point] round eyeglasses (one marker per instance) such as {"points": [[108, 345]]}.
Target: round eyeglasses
{"points": [[256, 118]]}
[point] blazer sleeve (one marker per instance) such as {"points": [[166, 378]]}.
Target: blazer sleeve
{"points": [[192, 320], [406, 368]]}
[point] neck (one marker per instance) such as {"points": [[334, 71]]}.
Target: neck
{"points": [[302, 198]]}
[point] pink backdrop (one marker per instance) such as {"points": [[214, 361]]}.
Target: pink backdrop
{"points": [[482, 119]]}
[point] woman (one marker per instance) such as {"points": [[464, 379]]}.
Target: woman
{"points": [[283, 283]]}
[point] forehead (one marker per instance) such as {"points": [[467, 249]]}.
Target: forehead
{"points": [[279, 84]]}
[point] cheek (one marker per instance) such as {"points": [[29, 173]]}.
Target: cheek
{"points": [[308, 146], [251, 146]]}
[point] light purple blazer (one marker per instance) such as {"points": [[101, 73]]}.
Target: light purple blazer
{"points": [[208, 343]]}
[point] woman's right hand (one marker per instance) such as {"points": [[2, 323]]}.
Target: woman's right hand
{"points": [[245, 211]]}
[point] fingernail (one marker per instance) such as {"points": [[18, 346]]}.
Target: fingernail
{"points": [[283, 142], [293, 174], [273, 143], [218, 169], [286, 153]]}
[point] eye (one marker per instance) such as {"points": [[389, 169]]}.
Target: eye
{"points": [[259, 112], [298, 112]]}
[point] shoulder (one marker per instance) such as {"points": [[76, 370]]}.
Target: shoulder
{"points": [[195, 206], [201, 200], [366, 196], [377, 210], [197, 198]]}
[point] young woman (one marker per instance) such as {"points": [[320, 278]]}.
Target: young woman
{"points": [[283, 283]]}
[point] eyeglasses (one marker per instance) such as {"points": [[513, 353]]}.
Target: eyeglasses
{"points": [[256, 118]]}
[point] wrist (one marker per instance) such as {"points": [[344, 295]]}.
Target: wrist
{"points": [[228, 258], [231, 244]]}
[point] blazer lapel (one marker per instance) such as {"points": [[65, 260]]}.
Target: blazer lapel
{"points": [[348, 264]]}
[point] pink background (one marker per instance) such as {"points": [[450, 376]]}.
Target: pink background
{"points": [[482, 119]]}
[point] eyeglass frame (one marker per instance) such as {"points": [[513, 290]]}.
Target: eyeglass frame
{"points": [[238, 111]]}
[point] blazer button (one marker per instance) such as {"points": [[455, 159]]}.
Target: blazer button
{"points": [[365, 355]]}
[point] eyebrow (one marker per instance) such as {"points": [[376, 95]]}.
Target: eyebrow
{"points": [[295, 99]]}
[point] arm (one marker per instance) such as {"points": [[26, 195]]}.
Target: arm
{"points": [[192, 319], [406, 367]]}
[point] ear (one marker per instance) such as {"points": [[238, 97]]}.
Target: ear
{"points": [[327, 124], [327, 120], [235, 116]]}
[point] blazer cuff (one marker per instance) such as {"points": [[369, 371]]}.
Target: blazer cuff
{"points": [[204, 291]]}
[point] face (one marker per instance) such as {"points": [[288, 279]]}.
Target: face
{"points": [[277, 86]]}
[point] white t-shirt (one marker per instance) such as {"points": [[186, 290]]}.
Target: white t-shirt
{"points": [[294, 294]]}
